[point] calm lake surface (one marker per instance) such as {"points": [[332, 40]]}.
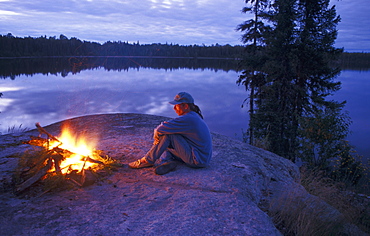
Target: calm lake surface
{"points": [[356, 91], [48, 98]]}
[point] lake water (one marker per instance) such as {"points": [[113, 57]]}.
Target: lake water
{"points": [[356, 91], [48, 98]]}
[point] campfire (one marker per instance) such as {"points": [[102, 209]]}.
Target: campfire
{"points": [[68, 158]]}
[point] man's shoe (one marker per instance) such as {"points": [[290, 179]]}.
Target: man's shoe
{"points": [[141, 163], [165, 168]]}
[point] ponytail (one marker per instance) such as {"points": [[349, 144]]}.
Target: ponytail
{"points": [[196, 109]]}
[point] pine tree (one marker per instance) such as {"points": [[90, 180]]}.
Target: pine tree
{"points": [[295, 70], [254, 30]]}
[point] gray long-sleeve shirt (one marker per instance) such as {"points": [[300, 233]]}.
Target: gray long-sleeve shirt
{"points": [[194, 129]]}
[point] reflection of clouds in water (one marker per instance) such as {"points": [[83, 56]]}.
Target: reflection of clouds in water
{"points": [[8, 89], [145, 91], [49, 99], [5, 102], [155, 106]]}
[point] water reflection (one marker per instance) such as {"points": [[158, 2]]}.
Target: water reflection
{"points": [[355, 90], [14, 67], [49, 90], [47, 99]]}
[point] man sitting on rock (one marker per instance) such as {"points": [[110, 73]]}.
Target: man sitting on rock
{"points": [[185, 138]]}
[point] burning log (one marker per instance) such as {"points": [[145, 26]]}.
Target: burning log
{"points": [[52, 161]]}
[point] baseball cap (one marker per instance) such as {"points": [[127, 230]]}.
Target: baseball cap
{"points": [[182, 97]]}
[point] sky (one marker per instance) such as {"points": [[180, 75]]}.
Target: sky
{"points": [[184, 22]]}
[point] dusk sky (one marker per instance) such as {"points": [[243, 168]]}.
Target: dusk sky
{"points": [[184, 22]]}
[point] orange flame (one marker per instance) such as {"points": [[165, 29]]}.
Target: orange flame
{"points": [[79, 146]]}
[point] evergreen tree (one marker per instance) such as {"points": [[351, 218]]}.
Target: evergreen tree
{"points": [[294, 74], [254, 31]]}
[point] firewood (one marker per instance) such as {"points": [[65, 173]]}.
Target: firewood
{"points": [[75, 182], [36, 162], [83, 172], [53, 156], [83, 177], [89, 159], [34, 178], [37, 141], [43, 131], [57, 159]]}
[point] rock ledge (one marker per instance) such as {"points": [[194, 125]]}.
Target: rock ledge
{"points": [[225, 198]]}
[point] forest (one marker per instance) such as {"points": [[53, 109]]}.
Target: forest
{"points": [[11, 46], [62, 46]]}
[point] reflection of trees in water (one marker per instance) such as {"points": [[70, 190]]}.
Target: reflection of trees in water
{"points": [[11, 68], [355, 61]]}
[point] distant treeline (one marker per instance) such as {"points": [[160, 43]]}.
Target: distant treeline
{"points": [[11, 46]]}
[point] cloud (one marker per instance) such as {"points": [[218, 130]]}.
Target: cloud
{"points": [[184, 22], [354, 28], [147, 21]]}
